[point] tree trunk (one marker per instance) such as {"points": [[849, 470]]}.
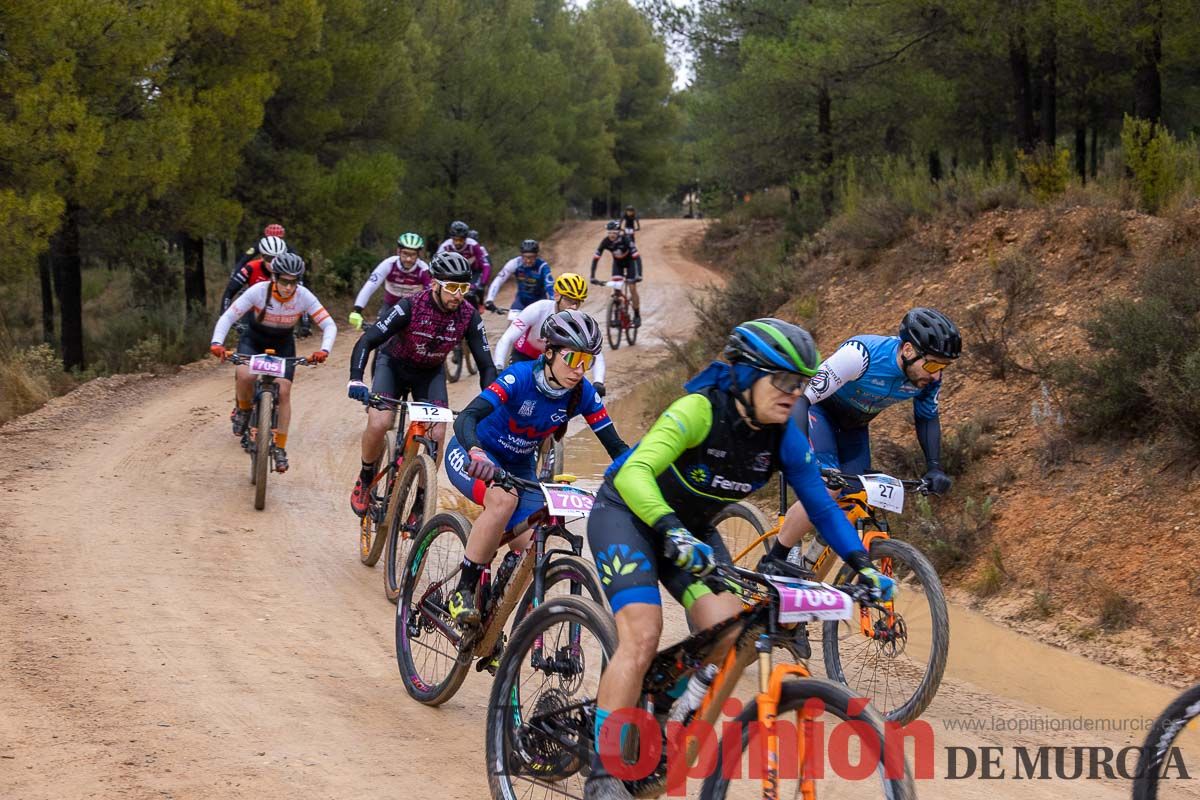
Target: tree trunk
{"points": [[225, 254], [1147, 79], [825, 146], [44, 267], [1018, 60], [1049, 84], [1081, 151], [195, 293], [68, 283], [1095, 165], [935, 166]]}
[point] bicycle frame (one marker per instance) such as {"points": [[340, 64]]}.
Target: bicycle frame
{"points": [[867, 524], [533, 560]]}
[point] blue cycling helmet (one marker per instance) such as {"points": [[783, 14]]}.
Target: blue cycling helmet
{"points": [[773, 345]]}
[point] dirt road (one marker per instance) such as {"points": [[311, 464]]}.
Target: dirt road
{"points": [[160, 638]]}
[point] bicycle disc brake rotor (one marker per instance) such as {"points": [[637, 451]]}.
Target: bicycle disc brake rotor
{"points": [[549, 744]]}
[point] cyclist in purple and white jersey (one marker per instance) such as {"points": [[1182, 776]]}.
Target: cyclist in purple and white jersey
{"points": [[469, 248], [401, 275]]}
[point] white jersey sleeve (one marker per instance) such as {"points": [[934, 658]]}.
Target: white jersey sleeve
{"points": [[373, 282], [507, 272], [255, 296], [598, 369], [320, 316], [848, 363]]}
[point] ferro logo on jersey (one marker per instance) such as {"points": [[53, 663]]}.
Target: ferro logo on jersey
{"points": [[732, 486]]}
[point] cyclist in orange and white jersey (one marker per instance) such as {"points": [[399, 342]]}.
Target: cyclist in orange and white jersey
{"points": [[274, 307]]}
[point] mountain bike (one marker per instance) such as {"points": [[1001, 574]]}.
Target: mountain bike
{"points": [[433, 654], [461, 354], [258, 437], [620, 312], [891, 666], [541, 718], [1173, 734], [403, 493]]}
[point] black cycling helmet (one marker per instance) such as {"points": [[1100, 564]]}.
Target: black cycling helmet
{"points": [[450, 266], [572, 330], [773, 345], [288, 264], [932, 333], [459, 228], [613, 225], [530, 246]]}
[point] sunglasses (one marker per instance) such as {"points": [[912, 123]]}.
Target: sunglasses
{"points": [[933, 367], [788, 382], [577, 360], [455, 288], [287, 281]]}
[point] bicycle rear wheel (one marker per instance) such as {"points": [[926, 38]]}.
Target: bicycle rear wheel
{"points": [[469, 360], [542, 709], [414, 500], [1172, 739], [726, 780], [262, 448], [371, 527], [614, 323], [899, 665], [427, 640]]}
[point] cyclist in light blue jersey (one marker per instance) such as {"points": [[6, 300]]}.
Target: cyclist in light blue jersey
{"points": [[864, 376]]}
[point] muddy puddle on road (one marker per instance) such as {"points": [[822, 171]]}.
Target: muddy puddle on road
{"points": [[1041, 693]]}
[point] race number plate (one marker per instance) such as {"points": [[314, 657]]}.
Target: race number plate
{"points": [[805, 601], [567, 501], [268, 365], [425, 412], [884, 491]]}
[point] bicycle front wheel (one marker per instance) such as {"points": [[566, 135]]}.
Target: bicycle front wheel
{"points": [[414, 500], [262, 448], [741, 525], [454, 364], [1172, 738], [550, 459], [614, 323], [833, 704], [631, 330], [542, 707], [427, 640], [895, 659]]}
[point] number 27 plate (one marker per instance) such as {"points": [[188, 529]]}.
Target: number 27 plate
{"points": [[884, 491], [267, 365], [568, 501]]}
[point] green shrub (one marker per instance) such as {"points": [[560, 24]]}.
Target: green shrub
{"points": [[1117, 611], [993, 576], [1046, 172], [26, 380], [1146, 371], [1105, 227], [1161, 166], [949, 538]]}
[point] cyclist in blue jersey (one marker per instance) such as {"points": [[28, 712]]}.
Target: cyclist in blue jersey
{"points": [[534, 280], [504, 426], [864, 376]]}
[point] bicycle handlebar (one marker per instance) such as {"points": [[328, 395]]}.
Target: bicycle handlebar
{"points": [[836, 479], [385, 403], [242, 358], [731, 573]]}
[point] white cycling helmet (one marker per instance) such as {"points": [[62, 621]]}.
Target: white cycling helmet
{"points": [[271, 246]]}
